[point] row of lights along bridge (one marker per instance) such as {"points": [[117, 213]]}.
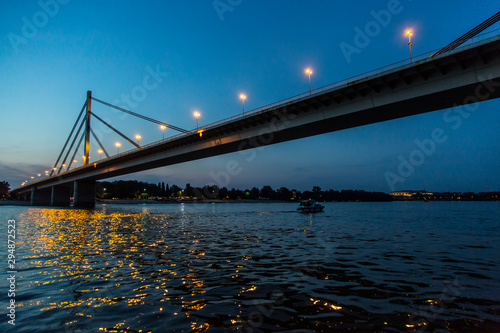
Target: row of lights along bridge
{"points": [[197, 115]]}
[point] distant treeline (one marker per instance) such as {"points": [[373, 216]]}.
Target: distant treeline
{"points": [[136, 189], [4, 189]]}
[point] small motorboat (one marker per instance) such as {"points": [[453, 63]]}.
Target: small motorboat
{"points": [[310, 206]]}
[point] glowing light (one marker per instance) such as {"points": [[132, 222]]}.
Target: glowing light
{"points": [[309, 72], [163, 127], [197, 116], [409, 33]]}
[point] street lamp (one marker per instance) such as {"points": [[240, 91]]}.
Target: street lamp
{"points": [[100, 153], [197, 116], [309, 72], [409, 33], [243, 97], [74, 162], [118, 145], [84, 159], [138, 137], [163, 127]]}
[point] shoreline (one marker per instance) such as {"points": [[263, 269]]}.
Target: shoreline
{"points": [[170, 202]]}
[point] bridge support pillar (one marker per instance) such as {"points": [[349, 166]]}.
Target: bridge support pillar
{"points": [[84, 193], [60, 196], [24, 196], [40, 197]]}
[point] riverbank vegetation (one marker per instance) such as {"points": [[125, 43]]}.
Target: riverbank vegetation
{"points": [[161, 191]]}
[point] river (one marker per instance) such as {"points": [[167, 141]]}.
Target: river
{"points": [[254, 267]]}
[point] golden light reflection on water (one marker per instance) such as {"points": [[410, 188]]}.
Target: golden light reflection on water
{"points": [[114, 252]]}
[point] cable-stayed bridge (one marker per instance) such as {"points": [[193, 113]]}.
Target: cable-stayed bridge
{"points": [[437, 80]]}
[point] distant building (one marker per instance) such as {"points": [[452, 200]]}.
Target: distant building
{"points": [[404, 195]]}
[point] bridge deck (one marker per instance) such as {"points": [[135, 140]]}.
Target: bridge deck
{"points": [[320, 111]]}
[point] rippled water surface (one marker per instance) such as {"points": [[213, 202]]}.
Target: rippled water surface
{"points": [[255, 267]]}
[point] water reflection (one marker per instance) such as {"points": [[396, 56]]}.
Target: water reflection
{"points": [[206, 267]]}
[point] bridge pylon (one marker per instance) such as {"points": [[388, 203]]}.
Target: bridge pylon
{"points": [[87, 128]]}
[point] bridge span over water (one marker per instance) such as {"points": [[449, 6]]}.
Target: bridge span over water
{"points": [[430, 82]]}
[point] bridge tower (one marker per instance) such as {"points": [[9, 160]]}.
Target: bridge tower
{"points": [[87, 128]]}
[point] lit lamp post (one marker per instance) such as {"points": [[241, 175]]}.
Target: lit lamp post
{"points": [[309, 72], [84, 159], [118, 145], [243, 97], [163, 127], [138, 137], [74, 162], [64, 165], [100, 153], [197, 116], [409, 33]]}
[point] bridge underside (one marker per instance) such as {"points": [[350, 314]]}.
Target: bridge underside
{"points": [[469, 76]]}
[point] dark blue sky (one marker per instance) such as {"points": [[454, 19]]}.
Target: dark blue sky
{"points": [[203, 54]]}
